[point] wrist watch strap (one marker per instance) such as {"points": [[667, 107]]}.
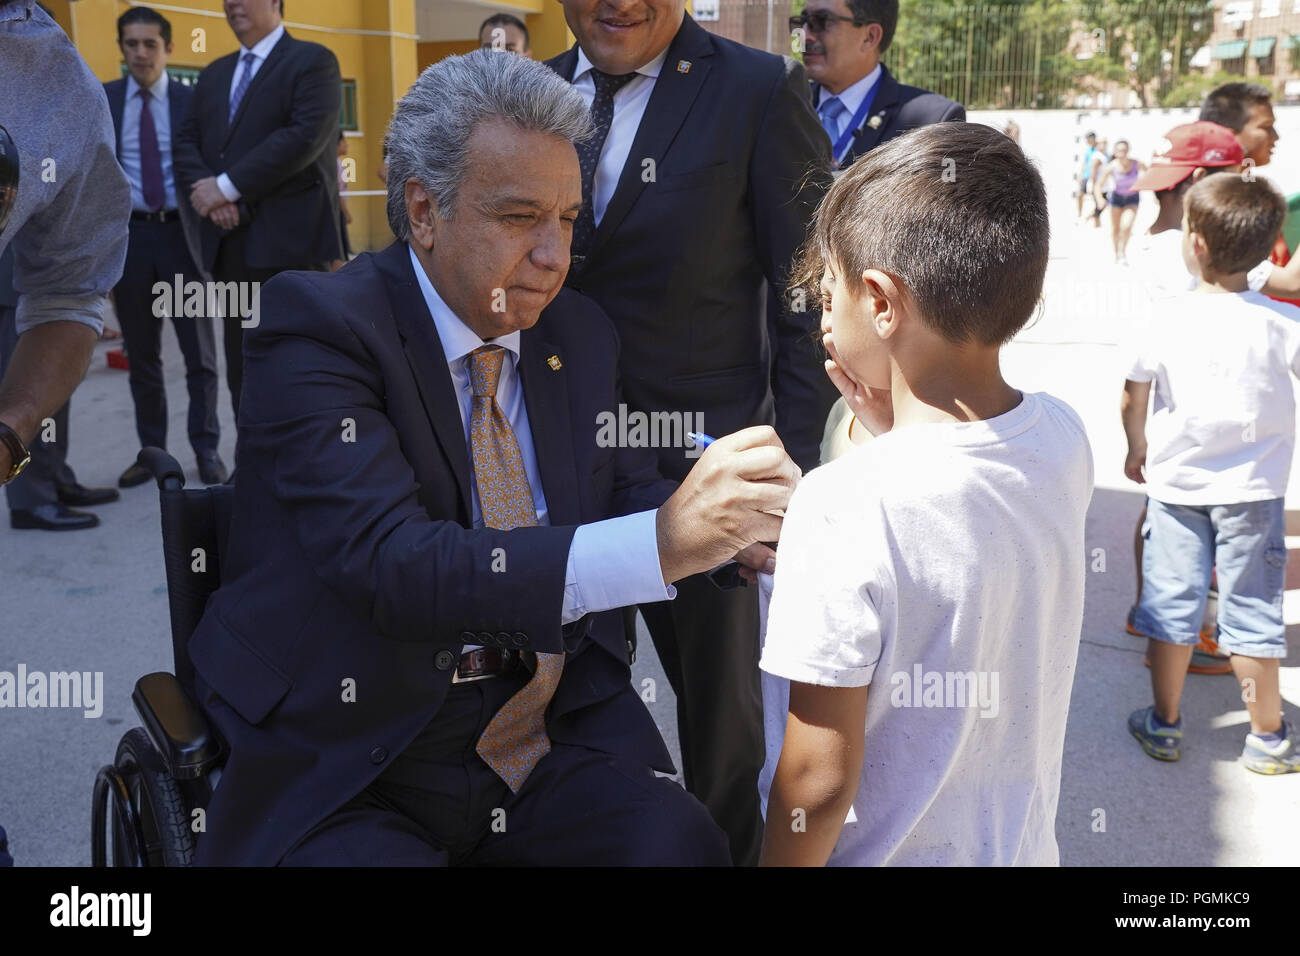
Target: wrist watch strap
{"points": [[17, 453]]}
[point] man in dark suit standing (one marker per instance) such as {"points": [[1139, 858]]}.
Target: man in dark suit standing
{"points": [[408, 655], [257, 152], [859, 102], [147, 107], [698, 187]]}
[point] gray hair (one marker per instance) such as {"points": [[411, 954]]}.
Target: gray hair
{"points": [[428, 139]]}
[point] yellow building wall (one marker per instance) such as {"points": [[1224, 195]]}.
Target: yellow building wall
{"points": [[429, 53], [382, 60]]}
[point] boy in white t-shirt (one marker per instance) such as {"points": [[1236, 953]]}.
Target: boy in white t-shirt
{"points": [[930, 582], [1215, 458]]}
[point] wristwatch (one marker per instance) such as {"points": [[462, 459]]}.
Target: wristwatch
{"points": [[17, 452]]}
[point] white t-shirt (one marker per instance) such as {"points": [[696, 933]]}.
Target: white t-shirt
{"points": [[1222, 426], [1158, 264], [948, 555]]}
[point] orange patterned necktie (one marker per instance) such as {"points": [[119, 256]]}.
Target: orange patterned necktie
{"points": [[515, 739]]}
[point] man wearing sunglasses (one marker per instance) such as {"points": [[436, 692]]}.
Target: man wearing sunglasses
{"points": [[858, 101], [68, 203]]}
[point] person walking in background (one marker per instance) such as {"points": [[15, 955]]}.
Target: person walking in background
{"points": [[857, 99], [1123, 170], [694, 130], [147, 108], [1085, 174], [257, 153], [1100, 158]]}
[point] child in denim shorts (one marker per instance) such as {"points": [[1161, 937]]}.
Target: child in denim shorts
{"points": [[1215, 458]]}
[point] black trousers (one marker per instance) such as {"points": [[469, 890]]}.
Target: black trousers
{"points": [[157, 253], [439, 804], [39, 483], [707, 641]]}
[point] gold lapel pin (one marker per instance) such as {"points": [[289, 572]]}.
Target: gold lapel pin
{"points": [[555, 363], [683, 66], [876, 120]]}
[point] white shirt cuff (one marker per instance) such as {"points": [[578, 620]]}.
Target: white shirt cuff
{"points": [[228, 188], [614, 563]]}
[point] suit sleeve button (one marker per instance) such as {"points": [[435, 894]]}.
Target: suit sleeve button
{"points": [[378, 755], [504, 639], [444, 660], [520, 639], [486, 637], [467, 637]]}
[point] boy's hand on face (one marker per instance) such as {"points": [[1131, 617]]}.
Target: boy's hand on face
{"points": [[872, 407], [1134, 463]]}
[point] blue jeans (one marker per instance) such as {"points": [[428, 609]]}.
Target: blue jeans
{"points": [[1246, 542]]}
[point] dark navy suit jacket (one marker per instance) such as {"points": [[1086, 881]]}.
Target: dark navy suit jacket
{"points": [[279, 149], [691, 262], [900, 108], [351, 560], [178, 103]]}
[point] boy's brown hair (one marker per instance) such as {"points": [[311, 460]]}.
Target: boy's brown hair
{"points": [[1240, 219], [954, 210]]}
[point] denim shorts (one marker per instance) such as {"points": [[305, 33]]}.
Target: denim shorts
{"points": [[1246, 543], [1124, 200]]}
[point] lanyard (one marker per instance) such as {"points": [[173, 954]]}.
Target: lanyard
{"points": [[841, 145]]}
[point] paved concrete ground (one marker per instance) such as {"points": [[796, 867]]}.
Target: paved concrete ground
{"points": [[95, 601]]}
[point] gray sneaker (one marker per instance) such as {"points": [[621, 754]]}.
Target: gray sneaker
{"points": [[1282, 757], [1160, 742]]}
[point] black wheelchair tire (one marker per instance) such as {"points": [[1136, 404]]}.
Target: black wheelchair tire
{"points": [[159, 802]]}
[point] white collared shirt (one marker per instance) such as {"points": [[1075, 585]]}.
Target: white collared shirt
{"points": [[261, 49], [130, 144], [629, 106], [612, 563]]}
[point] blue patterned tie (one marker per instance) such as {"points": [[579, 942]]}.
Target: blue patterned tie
{"points": [[242, 86], [831, 110], [602, 115]]}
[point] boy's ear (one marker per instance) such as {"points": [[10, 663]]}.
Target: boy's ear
{"points": [[884, 299]]}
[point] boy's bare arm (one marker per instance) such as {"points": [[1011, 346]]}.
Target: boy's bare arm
{"points": [[1133, 412], [1284, 281], [817, 775]]}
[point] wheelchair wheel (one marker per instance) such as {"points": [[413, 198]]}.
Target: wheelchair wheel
{"points": [[160, 834]]}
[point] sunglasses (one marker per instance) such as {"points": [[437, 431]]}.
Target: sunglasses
{"points": [[819, 20], [8, 176]]}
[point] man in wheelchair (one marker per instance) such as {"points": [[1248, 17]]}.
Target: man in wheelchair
{"points": [[415, 655]]}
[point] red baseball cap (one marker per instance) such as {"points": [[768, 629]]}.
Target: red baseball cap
{"points": [[1186, 147]]}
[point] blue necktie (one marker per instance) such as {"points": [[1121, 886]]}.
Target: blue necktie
{"points": [[242, 86], [831, 110], [602, 116]]}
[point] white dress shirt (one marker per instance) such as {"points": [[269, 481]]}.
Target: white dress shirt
{"points": [[629, 106], [130, 146], [261, 49], [612, 563]]}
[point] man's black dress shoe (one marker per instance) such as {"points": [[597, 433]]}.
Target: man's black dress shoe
{"points": [[137, 474], [212, 470], [51, 518], [79, 496]]}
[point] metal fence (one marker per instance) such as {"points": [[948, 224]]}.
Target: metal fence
{"points": [[1019, 55]]}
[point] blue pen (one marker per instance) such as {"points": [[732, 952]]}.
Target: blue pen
{"points": [[701, 440]]}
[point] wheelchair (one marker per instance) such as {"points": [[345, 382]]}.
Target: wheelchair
{"points": [[148, 799]]}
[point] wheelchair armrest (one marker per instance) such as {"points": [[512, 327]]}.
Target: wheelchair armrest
{"points": [[177, 727]]}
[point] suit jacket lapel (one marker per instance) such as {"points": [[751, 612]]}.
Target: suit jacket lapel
{"points": [[885, 107], [674, 92], [273, 60], [546, 396], [117, 107], [428, 361]]}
